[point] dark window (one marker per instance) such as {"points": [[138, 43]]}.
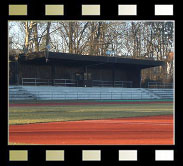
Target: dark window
{"points": [[87, 77]]}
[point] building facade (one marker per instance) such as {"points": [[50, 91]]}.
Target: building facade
{"points": [[63, 69]]}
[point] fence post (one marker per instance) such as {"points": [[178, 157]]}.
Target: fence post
{"points": [[38, 96]]}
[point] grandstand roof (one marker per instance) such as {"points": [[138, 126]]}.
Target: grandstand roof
{"points": [[56, 57]]}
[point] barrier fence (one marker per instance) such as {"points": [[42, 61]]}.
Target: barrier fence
{"points": [[74, 83], [93, 83], [160, 85]]}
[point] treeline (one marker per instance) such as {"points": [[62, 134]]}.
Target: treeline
{"points": [[133, 39]]}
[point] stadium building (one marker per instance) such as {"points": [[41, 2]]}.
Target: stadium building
{"points": [[64, 69]]}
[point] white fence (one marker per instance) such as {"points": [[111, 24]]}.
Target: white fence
{"points": [[160, 85], [74, 83]]}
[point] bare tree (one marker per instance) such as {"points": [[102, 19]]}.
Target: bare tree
{"points": [[132, 39]]}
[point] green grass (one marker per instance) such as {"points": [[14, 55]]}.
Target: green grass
{"points": [[36, 114], [81, 101]]}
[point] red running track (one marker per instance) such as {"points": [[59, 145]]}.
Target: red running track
{"points": [[150, 130]]}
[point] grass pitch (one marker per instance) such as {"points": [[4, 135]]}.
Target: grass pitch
{"points": [[39, 114]]}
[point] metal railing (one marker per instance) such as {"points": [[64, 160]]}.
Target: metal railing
{"points": [[36, 81], [40, 81], [124, 84], [65, 82], [160, 85], [101, 83], [74, 83]]}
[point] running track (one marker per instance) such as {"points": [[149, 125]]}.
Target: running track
{"points": [[125, 131]]}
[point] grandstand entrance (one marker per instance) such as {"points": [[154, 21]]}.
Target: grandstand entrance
{"points": [[79, 79], [83, 79]]}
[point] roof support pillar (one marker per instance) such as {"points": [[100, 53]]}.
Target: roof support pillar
{"points": [[113, 75], [52, 74]]}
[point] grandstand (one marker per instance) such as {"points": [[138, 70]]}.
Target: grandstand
{"points": [[64, 69], [80, 93], [64, 76]]}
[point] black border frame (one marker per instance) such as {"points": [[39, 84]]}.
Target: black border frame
{"points": [[72, 11]]}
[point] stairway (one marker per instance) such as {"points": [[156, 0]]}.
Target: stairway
{"points": [[19, 93], [162, 93]]}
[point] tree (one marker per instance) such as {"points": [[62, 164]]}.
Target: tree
{"points": [[132, 39]]}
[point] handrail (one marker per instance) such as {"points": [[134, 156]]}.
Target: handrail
{"points": [[160, 85], [72, 82], [38, 81], [116, 83]]}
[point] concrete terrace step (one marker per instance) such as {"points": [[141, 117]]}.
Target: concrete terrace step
{"points": [[67, 93], [19, 93], [163, 93]]}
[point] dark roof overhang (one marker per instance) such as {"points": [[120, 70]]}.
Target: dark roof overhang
{"points": [[56, 57]]}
